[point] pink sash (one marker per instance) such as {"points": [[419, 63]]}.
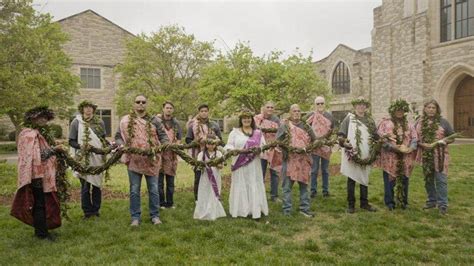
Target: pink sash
{"points": [[299, 165], [170, 159], [321, 127], [135, 162], [388, 159]]}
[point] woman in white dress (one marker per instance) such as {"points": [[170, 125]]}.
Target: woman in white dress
{"points": [[247, 190], [209, 205]]}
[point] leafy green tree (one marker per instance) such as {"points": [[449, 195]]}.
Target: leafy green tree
{"points": [[164, 66], [240, 79], [34, 70]]}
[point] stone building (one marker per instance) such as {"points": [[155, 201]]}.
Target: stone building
{"points": [[96, 46], [420, 50]]}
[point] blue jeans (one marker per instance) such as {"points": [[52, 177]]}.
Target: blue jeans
{"points": [[324, 173], [273, 179], [437, 190], [168, 200], [153, 196], [304, 196], [388, 190]]}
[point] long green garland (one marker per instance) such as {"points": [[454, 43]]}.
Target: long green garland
{"points": [[428, 131], [399, 185], [375, 146]]}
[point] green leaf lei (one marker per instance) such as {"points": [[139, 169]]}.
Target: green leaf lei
{"points": [[428, 131], [374, 147], [399, 185]]}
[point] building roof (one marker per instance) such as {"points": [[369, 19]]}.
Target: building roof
{"points": [[97, 14], [364, 50]]}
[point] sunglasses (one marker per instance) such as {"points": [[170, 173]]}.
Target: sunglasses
{"points": [[140, 102], [319, 103]]}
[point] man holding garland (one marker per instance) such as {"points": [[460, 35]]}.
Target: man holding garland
{"points": [[267, 120], [434, 134], [88, 130], [141, 131], [198, 130], [36, 202], [296, 166], [322, 124], [170, 159], [357, 134], [397, 156]]}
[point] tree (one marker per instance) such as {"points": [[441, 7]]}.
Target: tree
{"points": [[240, 79], [164, 66], [34, 70]]}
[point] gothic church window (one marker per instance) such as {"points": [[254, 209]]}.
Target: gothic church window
{"points": [[341, 79]]}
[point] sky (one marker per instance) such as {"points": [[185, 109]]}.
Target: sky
{"points": [[317, 25]]}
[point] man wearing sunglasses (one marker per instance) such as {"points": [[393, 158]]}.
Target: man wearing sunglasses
{"points": [[143, 131], [322, 124]]}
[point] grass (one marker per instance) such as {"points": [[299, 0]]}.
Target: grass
{"points": [[413, 236]]}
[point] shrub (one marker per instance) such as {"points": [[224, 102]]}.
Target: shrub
{"points": [[57, 130]]}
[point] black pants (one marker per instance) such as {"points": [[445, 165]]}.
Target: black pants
{"points": [[197, 178], [91, 198], [39, 208], [364, 192], [168, 200]]}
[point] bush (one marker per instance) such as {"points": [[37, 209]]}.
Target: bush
{"points": [[7, 148], [12, 136], [57, 131]]}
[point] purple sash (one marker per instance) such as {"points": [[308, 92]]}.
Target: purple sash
{"points": [[211, 177], [246, 158]]}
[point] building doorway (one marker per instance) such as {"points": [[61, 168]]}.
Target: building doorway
{"points": [[464, 107]]}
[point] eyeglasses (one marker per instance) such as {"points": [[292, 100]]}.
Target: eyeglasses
{"points": [[140, 102], [319, 103]]}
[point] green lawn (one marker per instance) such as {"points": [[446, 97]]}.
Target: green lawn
{"points": [[410, 237]]}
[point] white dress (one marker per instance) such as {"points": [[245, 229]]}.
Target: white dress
{"points": [[247, 190], [358, 173], [208, 206]]}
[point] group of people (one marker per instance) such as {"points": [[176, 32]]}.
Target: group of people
{"points": [[402, 143]]}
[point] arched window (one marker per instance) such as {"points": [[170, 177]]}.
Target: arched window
{"points": [[341, 79]]}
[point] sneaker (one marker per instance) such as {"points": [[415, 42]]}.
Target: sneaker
{"points": [[162, 207], [350, 210], [428, 206], [369, 208], [443, 210], [313, 194], [307, 214], [172, 207], [326, 195], [156, 221], [135, 223], [390, 208]]}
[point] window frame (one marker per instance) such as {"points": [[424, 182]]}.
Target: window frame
{"points": [[341, 79], [91, 77]]}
